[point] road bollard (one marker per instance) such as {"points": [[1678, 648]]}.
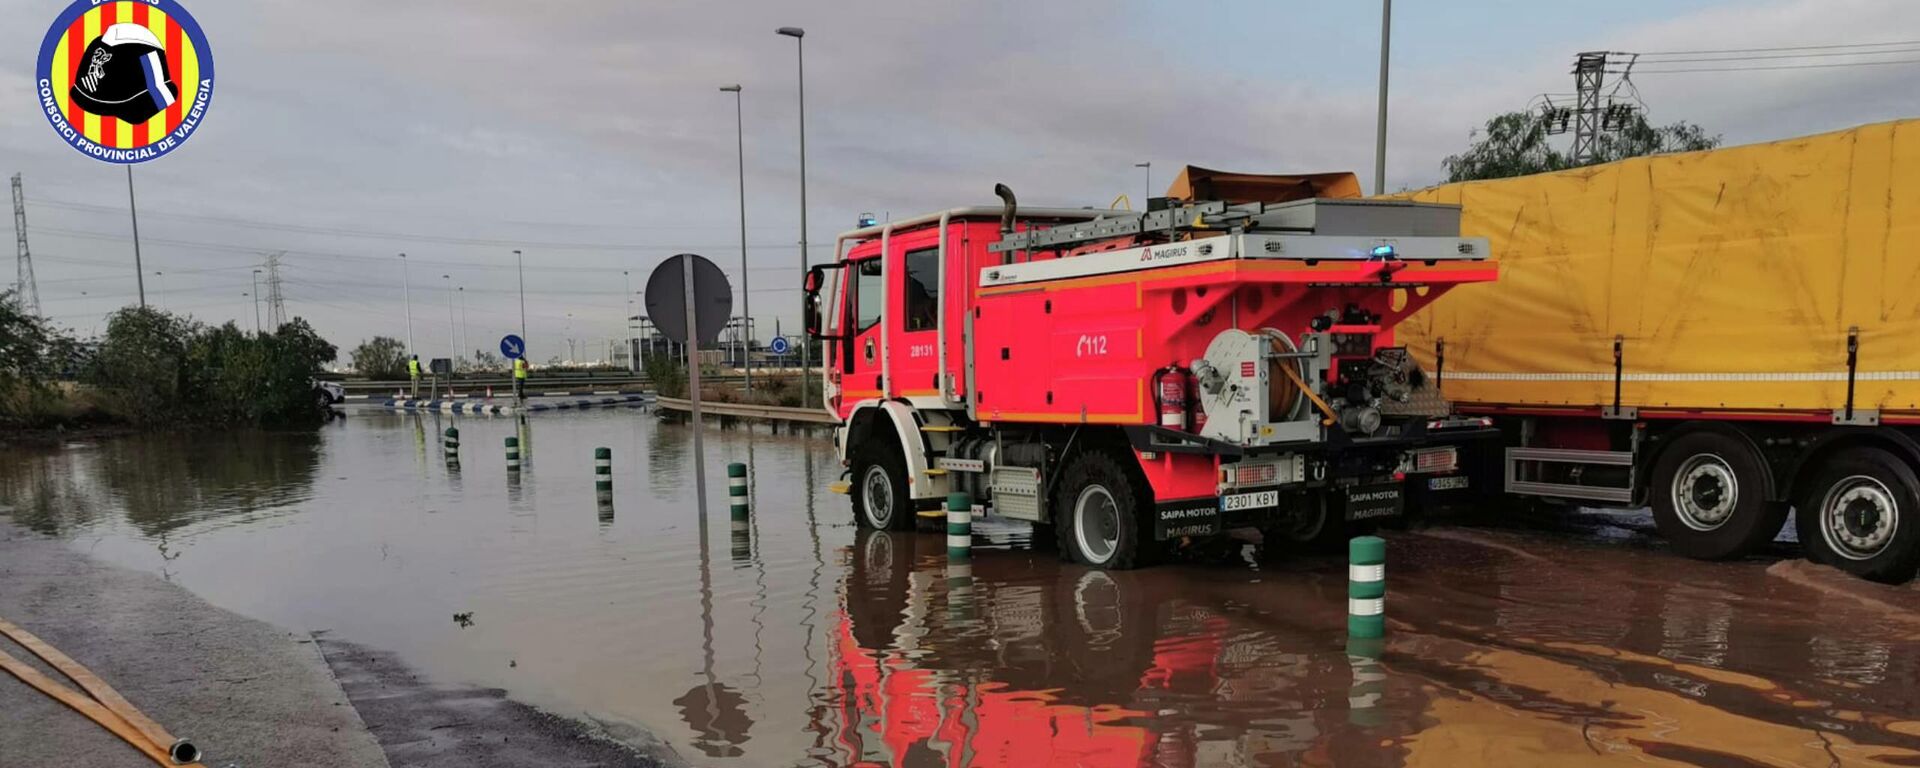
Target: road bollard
{"points": [[737, 493], [603, 469], [959, 526], [1366, 587], [452, 445], [513, 454]]}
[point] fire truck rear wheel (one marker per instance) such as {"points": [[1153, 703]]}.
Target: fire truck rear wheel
{"points": [[881, 499], [1098, 515], [1859, 515], [1317, 529], [1709, 497]]}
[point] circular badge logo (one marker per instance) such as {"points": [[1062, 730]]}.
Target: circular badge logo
{"points": [[124, 81]]}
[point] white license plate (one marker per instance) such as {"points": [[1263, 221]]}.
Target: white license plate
{"points": [[1453, 483], [1255, 500]]}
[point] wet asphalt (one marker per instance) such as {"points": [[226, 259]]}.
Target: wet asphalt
{"points": [[1556, 638]]}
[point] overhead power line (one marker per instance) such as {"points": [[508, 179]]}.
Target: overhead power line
{"points": [[1777, 56], [398, 236], [1771, 68], [1784, 48]]}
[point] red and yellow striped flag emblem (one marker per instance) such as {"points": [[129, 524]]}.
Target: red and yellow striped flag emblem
{"points": [[183, 61]]}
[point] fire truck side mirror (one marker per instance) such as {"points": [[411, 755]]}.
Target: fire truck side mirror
{"points": [[816, 278]]}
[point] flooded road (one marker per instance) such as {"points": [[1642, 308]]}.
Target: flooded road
{"points": [[803, 641]]}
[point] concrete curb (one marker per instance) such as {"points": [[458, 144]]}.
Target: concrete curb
{"points": [[245, 691]]}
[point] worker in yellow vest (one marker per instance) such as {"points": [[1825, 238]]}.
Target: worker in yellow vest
{"points": [[520, 379], [413, 373]]}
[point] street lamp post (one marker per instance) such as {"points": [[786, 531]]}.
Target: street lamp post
{"points": [[256, 302], [806, 354], [406, 292], [1380, 129], [133, 212], [746, 297], [466, 331], [453, 339], [626, 331], [521, 264]]}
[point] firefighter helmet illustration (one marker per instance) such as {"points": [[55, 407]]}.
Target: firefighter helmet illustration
{"points": [[125, 81], [124, 75]]}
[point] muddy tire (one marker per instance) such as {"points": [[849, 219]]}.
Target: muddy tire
{"points": [[1709, 497], [1859, 515], [1099, 515], [881, 500]]}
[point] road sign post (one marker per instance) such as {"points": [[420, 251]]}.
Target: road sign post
{"points": [[689, 300]]}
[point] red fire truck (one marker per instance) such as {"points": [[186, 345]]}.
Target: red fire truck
{"points": [[1123, 380]]}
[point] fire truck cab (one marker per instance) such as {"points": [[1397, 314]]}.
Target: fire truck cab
{"points": [[1123, 380]]}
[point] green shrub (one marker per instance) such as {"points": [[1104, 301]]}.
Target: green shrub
{"points": [[153, 367]]}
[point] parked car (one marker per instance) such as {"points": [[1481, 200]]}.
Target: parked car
{"points": [[328, 393]]}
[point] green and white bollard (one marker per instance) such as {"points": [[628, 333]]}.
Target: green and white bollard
{"points": [[959, 526], [1367, 587], [1366, 626], [452, 445], [603, 469], [737, 493], [513, 454]]}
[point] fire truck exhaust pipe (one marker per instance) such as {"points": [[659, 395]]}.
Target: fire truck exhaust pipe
{"points": [[1008, 207]]}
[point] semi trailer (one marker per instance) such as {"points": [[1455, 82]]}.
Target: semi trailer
{"points": [[1726, 336], [1128, 381]]}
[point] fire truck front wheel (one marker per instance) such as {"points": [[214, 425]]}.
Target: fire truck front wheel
{"points": [[880, 497], [1098, 516]]}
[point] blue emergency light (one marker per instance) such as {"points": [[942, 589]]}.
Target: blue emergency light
{"points": [[1383, 251]]}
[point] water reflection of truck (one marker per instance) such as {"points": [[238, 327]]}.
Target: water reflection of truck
{"points": [[1721, 335], [1123, 380], [1044, 674]]}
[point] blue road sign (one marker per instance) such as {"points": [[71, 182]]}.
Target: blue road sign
{"points": [[511, 347], [779, 345]]}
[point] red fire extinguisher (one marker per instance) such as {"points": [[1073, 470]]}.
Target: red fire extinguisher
{"points": [[1173, 395]]}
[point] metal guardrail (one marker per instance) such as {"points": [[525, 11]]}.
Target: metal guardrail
{"points": [[536, 382], [746, 411]]}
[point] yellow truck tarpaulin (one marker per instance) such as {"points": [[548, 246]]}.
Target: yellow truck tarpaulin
{"points": [[1731, 278]]}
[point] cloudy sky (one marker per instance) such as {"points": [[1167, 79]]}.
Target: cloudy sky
{"points": [[593, 136]]}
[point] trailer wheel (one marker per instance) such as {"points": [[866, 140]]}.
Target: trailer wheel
{"points": [[1709, 498], [1097, 514], [1859, 516], [881, 499]]}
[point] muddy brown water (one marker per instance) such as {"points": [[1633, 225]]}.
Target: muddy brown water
{"points": [[801, 641]]}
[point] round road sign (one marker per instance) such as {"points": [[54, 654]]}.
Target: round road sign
{"points": [[780, 346], [512, 347], [667, 298]]}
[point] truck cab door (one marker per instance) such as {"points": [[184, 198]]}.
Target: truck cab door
{"points": [[913, 315], [860, 362]]}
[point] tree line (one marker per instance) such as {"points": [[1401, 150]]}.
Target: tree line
{"points": [[152, 367]]}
